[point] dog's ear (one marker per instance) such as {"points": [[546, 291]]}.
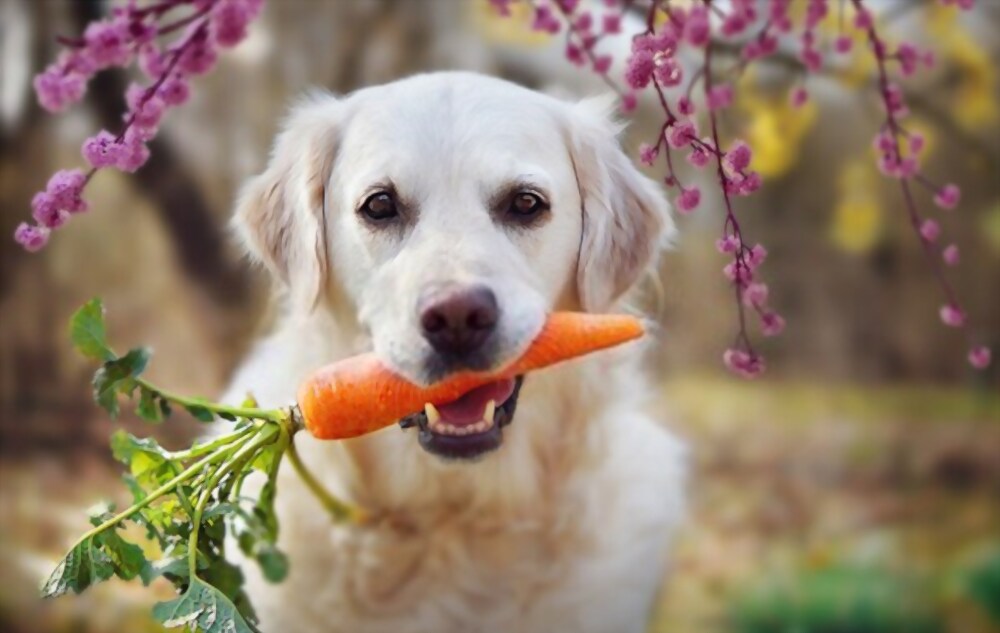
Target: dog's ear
{"points": [[626, 218], [280, 215]]}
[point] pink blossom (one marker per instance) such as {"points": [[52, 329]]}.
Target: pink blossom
{"points": [[720, 96], [738, 272], [146, 109], [647, 154], [738, 157], [102, 149], [574, 54], [602, 64], [668, 71], [863, 19], [948, 197], [930, 230], [916, 142], [755, 295], [980, 357], [108, 42], [734, 24], [56, 91], [698, 157], [756, 256], [229, 22], [46, 211], [727, 244], [611, 23], [545, 21], [680, 133], [584, 21], [65, 187], [174, 91], [198, 58], [843, 44], [151, 61], [639, 69], [772, 324], [32, 238], [696, 27], [799, 97], [950, 255], [688, 200], [908, 57], [629, 102], [745, 364], [685, 106], [952, 315]]}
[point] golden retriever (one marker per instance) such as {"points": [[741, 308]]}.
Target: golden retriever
{"points": [[436, 220]]}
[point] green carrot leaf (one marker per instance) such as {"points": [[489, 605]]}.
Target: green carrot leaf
{"points": [[117, 376], [203, 607], [88, 333]]}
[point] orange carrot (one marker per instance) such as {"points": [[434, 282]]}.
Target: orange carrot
{"points": [[359, 395]]}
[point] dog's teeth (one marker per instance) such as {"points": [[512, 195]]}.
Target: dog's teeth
{"points": [[491, 409], [433, 416]]}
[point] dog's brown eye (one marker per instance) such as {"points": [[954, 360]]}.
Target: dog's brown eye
{"points": [[380, 207], [526, 205]]}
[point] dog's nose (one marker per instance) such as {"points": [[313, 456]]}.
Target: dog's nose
{"points": [[458, 319]]}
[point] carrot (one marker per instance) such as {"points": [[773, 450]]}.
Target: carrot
{"points": [[359, 395]]}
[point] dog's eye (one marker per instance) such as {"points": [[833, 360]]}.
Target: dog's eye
{"points": [[379, 207], [525, 206]]}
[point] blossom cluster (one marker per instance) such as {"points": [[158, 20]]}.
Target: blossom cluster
{"points": [[660, 63], [130, 34]]}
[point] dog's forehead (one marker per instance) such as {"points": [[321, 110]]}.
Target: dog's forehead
{"points": [[453, 117]]}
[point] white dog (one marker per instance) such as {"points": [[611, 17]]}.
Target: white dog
{"points": [[437, 220]]}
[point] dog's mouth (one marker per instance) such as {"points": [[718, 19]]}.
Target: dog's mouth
{"points": [[470, 426]]}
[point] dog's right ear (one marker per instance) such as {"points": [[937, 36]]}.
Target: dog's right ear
{"points": [[280, 213]]}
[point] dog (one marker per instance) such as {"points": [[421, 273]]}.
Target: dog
{"points": [[436, 220]]}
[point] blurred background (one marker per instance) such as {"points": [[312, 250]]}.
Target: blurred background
{"points": [[855, 488]]}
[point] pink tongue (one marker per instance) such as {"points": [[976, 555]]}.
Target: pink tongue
{"points": [[468, 409]]}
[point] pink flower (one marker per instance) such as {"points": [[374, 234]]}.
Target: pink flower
{"points": [[198, 58], [843, 44], [916, 142], [755, 295], [798, 97], [689, 199], [908, 57], [151, 61], [602, 64], [56, 91], [229, 22], [685, 106], [108, 42], [102, 150], [756, 256], [647, 154], [952, 315], [948, 197], [772, 324], [727, 244], [668, 71], [574, 54], [747, 365], [629, 102], [584, 21], [863, 19], [146, 109], [134, 153], [46, 212], [950, 255], [174, 91], [32, 238], [738, 272], [720, 96], [545, 21], [65, 187], [696, 27], [980, 357], [639, 69], [930, 230], [698, 157], [738, 157], [680, 133], [611, 23]]}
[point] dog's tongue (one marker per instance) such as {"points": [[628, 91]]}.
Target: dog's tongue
{"points": [[469, 408]]}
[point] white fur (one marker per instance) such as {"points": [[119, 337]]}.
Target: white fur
{"points": [[565, 527]]}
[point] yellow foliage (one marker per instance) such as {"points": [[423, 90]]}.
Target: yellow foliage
{"points": [[857, 223], [514, 29], [972, 99], [775, 130]]}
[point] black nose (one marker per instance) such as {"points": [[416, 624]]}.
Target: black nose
{"points": [[457, 319]]}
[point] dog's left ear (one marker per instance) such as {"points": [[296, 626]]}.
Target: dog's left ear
{"points": [[280, 213], [626, 218]]}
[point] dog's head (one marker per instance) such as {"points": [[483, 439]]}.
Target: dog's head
{"points": [[450, 213]]}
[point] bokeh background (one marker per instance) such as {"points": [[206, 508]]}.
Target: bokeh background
{"points": [[855, 488]]}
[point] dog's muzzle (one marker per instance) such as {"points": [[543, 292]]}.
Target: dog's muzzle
{"points": [[469, 426]]}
